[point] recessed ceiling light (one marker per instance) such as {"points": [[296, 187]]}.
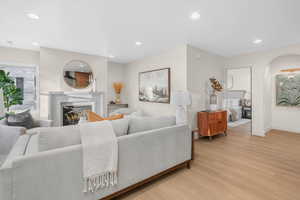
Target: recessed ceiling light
{"points": [[111, 56], [195, 16], [257, 41], [35, 44], [33, 16], [138, 43]]}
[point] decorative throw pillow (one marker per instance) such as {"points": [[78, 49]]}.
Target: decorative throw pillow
{"points": [[23, 119], [93, 117]]}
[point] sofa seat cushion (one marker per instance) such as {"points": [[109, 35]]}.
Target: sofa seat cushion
{"points": [[8, 137], [33, 145], [18, 150], [140, 124], [2, 159]]}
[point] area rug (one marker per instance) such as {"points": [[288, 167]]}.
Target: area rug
{"points": [[238, 123]]}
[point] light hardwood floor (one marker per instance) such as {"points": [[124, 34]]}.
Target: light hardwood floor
{"points": [[241, 129], [236, 167]]}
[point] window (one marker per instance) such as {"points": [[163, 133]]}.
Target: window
{"points": [[25, 79]]}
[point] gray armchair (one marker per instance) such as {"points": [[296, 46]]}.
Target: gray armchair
{"points": [[10, 134]]}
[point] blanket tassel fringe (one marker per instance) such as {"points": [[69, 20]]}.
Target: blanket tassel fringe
{"points": [[96, 182]]}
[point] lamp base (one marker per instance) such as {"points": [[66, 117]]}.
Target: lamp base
{"points": [[181, 115]]}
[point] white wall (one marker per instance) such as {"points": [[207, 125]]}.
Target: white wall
{"points": [[116, 73], [52, 62], [202, 65], [174, 59], [239, 79], [280, 114], [19, 57], [261, 92]]}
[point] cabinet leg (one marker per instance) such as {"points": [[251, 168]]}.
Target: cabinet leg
{"points": [[210, 138], [225, 133]]}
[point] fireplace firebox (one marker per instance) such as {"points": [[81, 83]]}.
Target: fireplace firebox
{"points": [[72, 113]]}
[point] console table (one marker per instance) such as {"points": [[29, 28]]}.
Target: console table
{"points": [[113, 107], [212, 123]]}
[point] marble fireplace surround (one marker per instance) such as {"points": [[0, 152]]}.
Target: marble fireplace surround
{"points": [[59, 99]]}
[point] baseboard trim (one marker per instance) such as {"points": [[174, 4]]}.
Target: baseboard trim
{"points": [[287, 130], [259, 133]]}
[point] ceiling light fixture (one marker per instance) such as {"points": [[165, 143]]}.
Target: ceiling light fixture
{"points": [[35, 44], [33, 16], [257, 41], [138, 43], [195, 16], [111, 56]]}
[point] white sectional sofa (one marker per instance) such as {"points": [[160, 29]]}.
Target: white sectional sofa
{"points": [[147, 147]]}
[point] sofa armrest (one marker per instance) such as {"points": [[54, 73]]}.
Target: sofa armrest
{"points": [[48, 175], [6, 184], [43, 123], [9, 136]]}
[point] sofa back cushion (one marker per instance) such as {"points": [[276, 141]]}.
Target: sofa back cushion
{"points": [[58, 137], [120, 126], [140, 124]]}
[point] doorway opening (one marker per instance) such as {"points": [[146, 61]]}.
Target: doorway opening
{"points": [[238, 100]]}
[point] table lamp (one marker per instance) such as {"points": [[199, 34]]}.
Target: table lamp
{"points": [[181, 99]]}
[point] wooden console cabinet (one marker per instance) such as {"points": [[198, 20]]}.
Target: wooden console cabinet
{"points": [[212, 123]]}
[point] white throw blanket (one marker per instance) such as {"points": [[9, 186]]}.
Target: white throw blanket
{"points": [[100, 155]]}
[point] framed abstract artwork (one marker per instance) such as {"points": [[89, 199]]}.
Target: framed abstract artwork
{"points": [[154, 86], [288, 90]]}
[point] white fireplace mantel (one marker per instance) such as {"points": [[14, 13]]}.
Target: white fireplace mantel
{"points": [[58, 99]]}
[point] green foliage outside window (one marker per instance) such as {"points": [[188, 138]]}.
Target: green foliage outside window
{"points": [[11, 94]]}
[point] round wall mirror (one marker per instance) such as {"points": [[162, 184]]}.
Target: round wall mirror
{"points": [[78, 74]]}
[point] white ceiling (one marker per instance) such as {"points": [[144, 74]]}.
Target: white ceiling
{"points": [[104, 27]]}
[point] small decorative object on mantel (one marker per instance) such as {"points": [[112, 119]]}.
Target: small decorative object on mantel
{"points": [[118, 86], [213, 100]]}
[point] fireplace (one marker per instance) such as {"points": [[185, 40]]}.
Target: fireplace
{"points": [[72, 113], [65, 108]]}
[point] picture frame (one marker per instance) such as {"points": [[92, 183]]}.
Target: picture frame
{"points": [[155, 86], [288, 90]]}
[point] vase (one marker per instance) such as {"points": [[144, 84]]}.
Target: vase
{"points": [[118, 98], [213, 101]]}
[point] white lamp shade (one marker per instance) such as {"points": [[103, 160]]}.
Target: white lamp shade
{"points": [[2, 109], [181, 98]]}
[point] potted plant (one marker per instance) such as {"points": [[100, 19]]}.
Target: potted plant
{"points": [[11, 94]]}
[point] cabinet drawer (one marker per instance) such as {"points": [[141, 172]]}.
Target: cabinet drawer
{"points": [[216, 116]]}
